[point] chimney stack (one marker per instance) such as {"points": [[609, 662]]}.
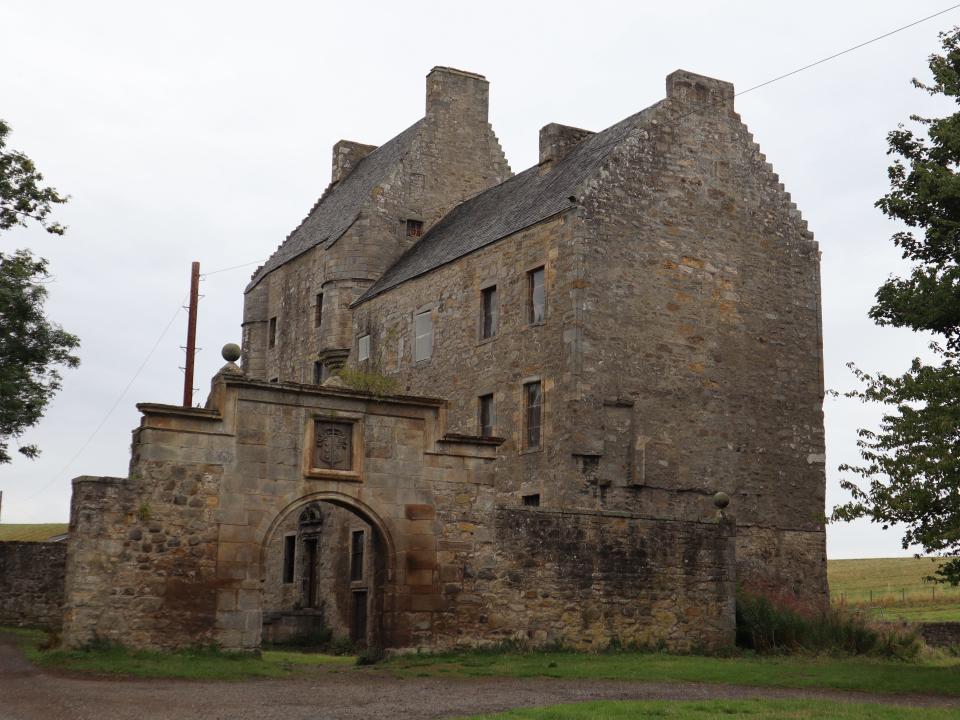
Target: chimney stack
{"points": [[556, 141], [696, 89], [457, 94], [346, 155]]}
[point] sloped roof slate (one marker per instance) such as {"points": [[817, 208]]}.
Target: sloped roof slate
{"points": [[519, 202], [338, 208]]}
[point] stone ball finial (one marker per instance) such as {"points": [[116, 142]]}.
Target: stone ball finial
{"points": [[231, 352], [721, 500]]}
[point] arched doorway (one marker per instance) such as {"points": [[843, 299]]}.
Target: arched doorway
{"points": [[326, 567]]}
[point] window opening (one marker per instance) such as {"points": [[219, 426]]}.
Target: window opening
{"points": [[533, 403], [318, 311], [488, 320], [363, 347], [486, 415], [272, 334], [310, 576], [414, 228], [359, 624], [289, 556], [532, 500], [422, 336], [536, 300], [356, 555]]}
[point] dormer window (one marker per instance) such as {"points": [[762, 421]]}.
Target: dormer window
{"points": [[414, 228]]}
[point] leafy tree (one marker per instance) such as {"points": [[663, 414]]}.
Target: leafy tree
{"points": [[31, 347], [910, 469]]}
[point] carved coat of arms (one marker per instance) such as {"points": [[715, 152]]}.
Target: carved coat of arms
{"points": [[333, 446]]}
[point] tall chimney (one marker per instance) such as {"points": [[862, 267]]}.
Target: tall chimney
{"points": [[346, 155], [456, 93]]}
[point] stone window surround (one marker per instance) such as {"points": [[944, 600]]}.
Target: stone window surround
{"points": [[484, 285], [524, 450], [493, 407], [528, 293], [355, 474], [430, 307]]}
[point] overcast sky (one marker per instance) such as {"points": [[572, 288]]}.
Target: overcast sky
{"points": [[203, 131]]}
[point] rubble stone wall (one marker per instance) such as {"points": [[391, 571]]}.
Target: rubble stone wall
{"points": [[31, 584]]}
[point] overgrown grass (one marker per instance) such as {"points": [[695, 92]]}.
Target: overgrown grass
{"points": [[698, 710], [193, 664], [764, 626], [934, 676]]}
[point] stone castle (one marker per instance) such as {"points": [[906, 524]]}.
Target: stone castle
{"points": [[475, 406]]}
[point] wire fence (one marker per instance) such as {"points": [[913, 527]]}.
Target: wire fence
{"points": [[933, 592]]}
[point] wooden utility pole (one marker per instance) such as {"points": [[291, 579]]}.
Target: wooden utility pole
{"points": [[191, 335]]}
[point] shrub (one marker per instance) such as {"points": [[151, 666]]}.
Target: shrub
{"points": [[765, 627], [371, 382]]}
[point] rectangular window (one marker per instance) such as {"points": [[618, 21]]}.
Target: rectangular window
{"points": [[532, 500], [488, 312], [363, 347], [422, 336], [318, 311], [289, 555], [536, 299], [318, 377], [356, 555], [533, 406], [272, 332], [486, 415], [414, 228]]}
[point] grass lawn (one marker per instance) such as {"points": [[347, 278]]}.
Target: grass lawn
{"points": [[199, 664], [933, 677], [893, 589], [700, 710], [31, 533]]}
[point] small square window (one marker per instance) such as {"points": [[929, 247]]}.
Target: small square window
{"points": [[318, 311], [363, 347], [533, 407], [536, 297], [488, 312], [486, 416], [272, 332], [414, 228], [532, 500], [422, 336]]}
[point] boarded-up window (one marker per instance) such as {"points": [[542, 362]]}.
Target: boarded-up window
{"points": [[334, 445], [488, 312], [533, 407], [486, 415], [356, 555], [536, 296], [289, 556], [363, 347], [422, 336]]}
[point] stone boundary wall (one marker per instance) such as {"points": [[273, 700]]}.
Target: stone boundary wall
{"points": [[940, 634], [31, 584], [591, 580]]}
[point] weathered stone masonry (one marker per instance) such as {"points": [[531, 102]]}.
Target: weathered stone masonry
{"points": [[31, 583], [176, 554]]}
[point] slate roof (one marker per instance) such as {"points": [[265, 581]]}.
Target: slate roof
{"points": [[338, 208], [519, 202]]}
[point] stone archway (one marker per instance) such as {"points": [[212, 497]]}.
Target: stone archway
{"points": [[327, 567]]}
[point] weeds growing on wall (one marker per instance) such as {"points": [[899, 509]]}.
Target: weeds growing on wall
{"points": [[371, 382], [768, 627]]}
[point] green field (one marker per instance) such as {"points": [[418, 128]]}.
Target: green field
{"points": [[702, 710], [893, 589], [37, 532]]}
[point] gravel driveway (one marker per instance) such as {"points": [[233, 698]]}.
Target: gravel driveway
{"points": [[27, 693]]}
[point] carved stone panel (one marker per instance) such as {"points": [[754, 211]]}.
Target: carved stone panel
{"points": [[333, 448]]}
